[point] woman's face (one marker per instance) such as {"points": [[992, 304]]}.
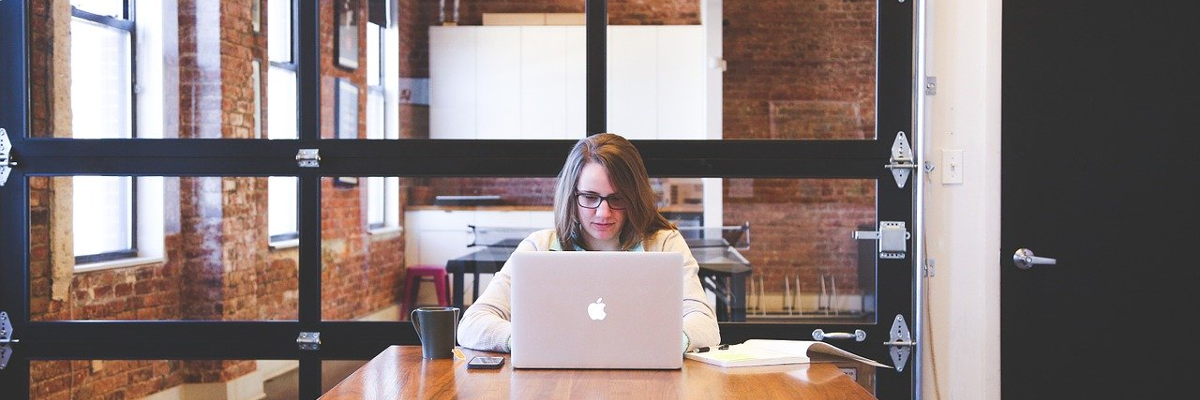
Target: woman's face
{"points": [[601, 225]]}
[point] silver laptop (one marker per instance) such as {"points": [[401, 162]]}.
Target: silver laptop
{"points": [[597, 309]]}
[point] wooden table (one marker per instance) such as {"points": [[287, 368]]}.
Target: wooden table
{"points": [[399, 372]]}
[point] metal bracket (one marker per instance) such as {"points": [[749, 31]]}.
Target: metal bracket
{"points": [[901, 162], [901, 343], [930, 85], [892, 237], [308, 158], [6, 161], [310, 341], [6, 332]]}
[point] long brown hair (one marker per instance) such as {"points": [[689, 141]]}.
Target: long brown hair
{"points": [[626, 171]]}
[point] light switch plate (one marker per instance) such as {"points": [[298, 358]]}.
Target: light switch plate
{"points": [[952, 167]]}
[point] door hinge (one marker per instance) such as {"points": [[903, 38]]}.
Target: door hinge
{"points": [[6, 160], [901, 343], [6, 333], [930, 85], [901, 162], [892, 237], [308, 158], [310, 341]]}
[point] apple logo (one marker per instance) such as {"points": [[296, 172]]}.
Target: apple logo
{"points": [[596, 310]]}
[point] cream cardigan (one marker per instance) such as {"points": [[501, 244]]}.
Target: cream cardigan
{"points": [[485, 324]]}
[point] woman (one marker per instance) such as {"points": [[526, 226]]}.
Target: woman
{"points": [[603, 201]]}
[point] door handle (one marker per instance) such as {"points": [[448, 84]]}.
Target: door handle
{"points": [[1025, 259]]}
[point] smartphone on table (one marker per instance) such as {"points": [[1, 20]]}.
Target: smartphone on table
{"points": [[483, 362]]}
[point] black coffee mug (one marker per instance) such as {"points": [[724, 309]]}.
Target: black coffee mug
{"points": [[437, 327]]}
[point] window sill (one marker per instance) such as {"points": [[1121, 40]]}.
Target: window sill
{"points": [[122, 263], [285, 244], [386, 231]]}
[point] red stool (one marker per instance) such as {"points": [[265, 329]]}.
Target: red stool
{"points": [[413, 277]]}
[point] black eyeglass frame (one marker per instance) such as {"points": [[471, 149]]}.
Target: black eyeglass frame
{"points": [[578, 200]]}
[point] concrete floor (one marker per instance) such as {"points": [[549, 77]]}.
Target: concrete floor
{"points": [[287, 386]]}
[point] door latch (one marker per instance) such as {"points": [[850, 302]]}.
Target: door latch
{"points": [[6, 160], [892, 237], [901, 343], [6, 332]]}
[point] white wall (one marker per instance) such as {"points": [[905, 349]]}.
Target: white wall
{"points": [[963, 221]]}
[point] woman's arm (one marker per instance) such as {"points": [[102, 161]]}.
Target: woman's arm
{"points": [[486, 325], [699, 321]]}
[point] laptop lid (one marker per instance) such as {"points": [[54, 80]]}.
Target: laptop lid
{"points": [[597, 309]]}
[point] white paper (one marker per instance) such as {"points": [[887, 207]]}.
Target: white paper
{"points": [[755, 352]]}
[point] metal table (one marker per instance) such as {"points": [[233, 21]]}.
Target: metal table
{"points": [[723, 271]]}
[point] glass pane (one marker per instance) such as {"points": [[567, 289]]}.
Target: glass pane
{"points": [[805, 264], [111, 8], [494, 69], [188, 72], [279, 31], [512, 70], [282, 207], [281, 108], [200, 252], [785, 79], [426, 222], [163, 379], [374, 51], [376, 201], [102, 214], [520, 76], [770, 250], [101, 81]]}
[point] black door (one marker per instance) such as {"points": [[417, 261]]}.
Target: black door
{"points": [[1097, 104]]}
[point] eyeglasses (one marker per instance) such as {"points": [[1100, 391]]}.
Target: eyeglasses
{"points": [[592, 201]]}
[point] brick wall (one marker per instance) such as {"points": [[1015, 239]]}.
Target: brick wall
{"points": [[810, 59], [41, 68]]}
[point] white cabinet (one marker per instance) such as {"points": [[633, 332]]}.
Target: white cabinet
{"points": [[452, 103], [632, 72], [576, 82], [498, 95], [681, 83], [529, 82], [543, 78]]}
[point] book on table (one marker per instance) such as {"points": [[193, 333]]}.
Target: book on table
{"points": [[755, 352]]}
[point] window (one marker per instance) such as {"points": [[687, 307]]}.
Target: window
{"points": [[281, 114], [116, 220], [383, 194], [102, 107]]}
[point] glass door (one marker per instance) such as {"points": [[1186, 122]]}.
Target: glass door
{"points": [[198, 185]]}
